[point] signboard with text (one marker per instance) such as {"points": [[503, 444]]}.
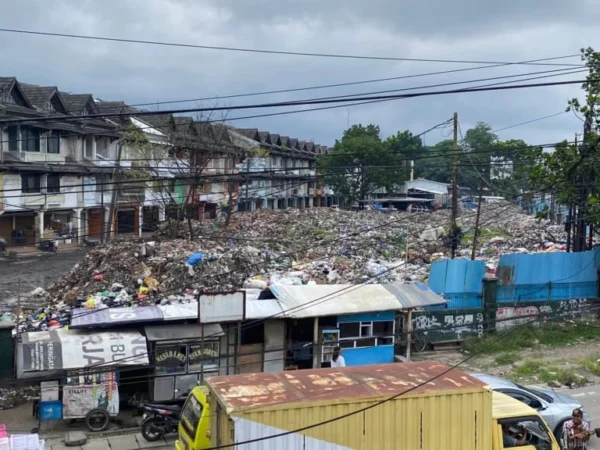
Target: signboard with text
{"points": [[109, 317], [73, 349]]}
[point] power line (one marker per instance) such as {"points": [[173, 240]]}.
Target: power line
{"points": [[378, 403], [328, 86], [277, 52], [350, 97], [530, 121], [298, 102]]}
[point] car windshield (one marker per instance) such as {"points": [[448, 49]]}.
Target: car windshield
{"points": [[543, 396], [190, 415]]}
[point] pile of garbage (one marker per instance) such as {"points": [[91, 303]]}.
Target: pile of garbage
{"points": [[259, 248], [14, 396]]}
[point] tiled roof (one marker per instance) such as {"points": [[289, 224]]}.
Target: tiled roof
{"points": [[110, 107], [76, 102], [285, 141], [251, 133], [264, 137], [38, 95], [6, 82], [164, 122]]}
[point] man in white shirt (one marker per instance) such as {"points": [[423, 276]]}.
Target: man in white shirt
{"points": [[337, 360]]}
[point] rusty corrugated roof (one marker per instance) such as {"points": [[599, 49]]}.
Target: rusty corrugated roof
{"points": [[240, 392]]}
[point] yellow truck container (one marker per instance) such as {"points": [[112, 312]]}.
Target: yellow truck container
{"points": [[453, 411]]}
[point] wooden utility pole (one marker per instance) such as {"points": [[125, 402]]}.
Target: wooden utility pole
{"points": [[453, 227], [115, 192], [476, 232]]}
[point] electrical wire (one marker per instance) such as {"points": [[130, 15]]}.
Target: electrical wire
{"points": [[398, 338], [327, 86], [296, 103], [320, 300], [378, 403], [277, 52]]}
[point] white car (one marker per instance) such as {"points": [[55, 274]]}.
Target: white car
{"points": [[555, 408]]}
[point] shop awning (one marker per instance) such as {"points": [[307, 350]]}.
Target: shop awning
{"points": [[339, 299], [182, 332], [76, 349]]}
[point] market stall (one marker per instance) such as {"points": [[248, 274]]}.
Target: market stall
{"points": [[82, 371]]}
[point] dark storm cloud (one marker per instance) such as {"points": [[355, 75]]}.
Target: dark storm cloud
{"points": [[464, 29]]}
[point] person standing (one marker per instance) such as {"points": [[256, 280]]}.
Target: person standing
{"points": [[576, 432], [337, 360]]}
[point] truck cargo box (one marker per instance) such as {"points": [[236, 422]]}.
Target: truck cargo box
{"points": [[453, 411]]}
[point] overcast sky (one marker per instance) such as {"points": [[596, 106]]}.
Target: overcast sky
{"points": [[436, 29]]}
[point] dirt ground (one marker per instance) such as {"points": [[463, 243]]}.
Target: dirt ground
{"points": [[35, 271], [563, 357]]}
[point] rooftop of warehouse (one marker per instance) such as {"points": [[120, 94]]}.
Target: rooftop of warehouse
{"points": [[270, 389]]}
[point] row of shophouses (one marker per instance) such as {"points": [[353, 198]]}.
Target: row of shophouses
{"points": [[64, 177]]}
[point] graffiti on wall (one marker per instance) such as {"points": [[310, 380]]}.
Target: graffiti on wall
{"points": [[510, 316], [451, 323]]}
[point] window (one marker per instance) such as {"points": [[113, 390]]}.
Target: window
{"points": [[190, 415], [207, 356], [366, 334], [184, 358], [13, 139], [170, 360], [30, 140], [54, 142], [53, 183], [349, 330], [30, 183]]}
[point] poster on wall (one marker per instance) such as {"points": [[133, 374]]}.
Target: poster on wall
{"points": [[79, 400]]}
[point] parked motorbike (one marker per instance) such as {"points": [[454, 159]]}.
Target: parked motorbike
{"points": [[160, 419], [48, 246]]}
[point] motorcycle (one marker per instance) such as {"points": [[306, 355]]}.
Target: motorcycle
{"points": [[160, 419], [48, 245]]}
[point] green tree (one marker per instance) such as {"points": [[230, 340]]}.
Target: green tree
{"points": [[570, 172], [360, 164], [405, 143], [437, 163]]}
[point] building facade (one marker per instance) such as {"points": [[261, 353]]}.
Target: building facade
{"points": [[124, 170]]}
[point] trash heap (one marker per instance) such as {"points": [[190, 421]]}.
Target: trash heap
{"points": [[259, 248]]}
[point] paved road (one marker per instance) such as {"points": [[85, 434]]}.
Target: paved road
{"points": [[35, 271]]}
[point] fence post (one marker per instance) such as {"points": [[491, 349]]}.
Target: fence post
{"points": [[490, 302]]}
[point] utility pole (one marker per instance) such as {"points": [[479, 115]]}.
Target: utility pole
{"points": [[248, 208], [18, 305], [453, 227], [476, 232], [103, 217], [115, 191]]}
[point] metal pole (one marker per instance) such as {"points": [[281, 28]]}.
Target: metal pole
{"points": [[408, 333], [453, 233], [103, 218], [247, 182], [115, 191], [476, 232], [18, 305]]}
